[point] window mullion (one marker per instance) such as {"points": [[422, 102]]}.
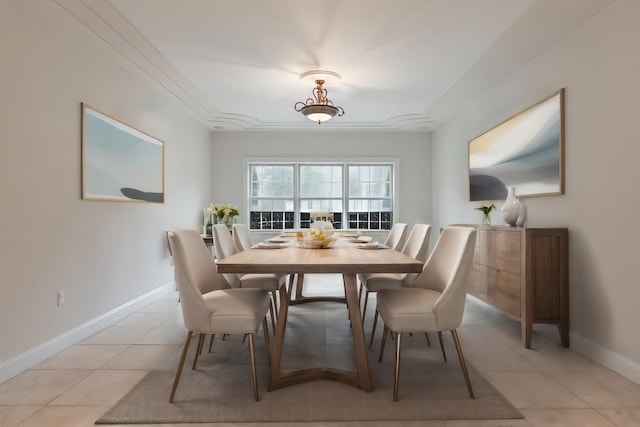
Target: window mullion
{"points": [[296, 195], [345, 195]]}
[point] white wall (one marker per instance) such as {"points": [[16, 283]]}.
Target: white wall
{"points": [[412, 150], [599, 65], [103, 254]]}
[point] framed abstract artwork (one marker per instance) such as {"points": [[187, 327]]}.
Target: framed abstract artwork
{"points": [[525, 151], [119, 163]]}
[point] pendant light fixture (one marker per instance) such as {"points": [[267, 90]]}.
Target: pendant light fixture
{"points": [[319, 108]]}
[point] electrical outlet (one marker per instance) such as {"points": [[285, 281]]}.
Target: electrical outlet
{"points": [[61, 298]]}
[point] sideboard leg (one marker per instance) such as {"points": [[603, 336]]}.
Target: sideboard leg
{"points": [[563, 329], [527, 330]]}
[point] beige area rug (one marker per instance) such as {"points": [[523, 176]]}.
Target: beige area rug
{"points": [[220, 389]]}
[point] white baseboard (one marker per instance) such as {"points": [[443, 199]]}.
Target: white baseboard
{"points": [[592, 351], [30, 358], [611, 360]]}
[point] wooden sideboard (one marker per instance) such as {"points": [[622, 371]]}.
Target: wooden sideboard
{"points": [[524, 273], [208, 240]]}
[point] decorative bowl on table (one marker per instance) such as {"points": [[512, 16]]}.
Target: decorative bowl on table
{"points": [[323, 227], [312, 240]]}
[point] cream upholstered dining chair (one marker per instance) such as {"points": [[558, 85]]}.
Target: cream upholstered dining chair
{"points": [[435, 301], [241, 237], [209, 305], [417, 247], [395, 240], [224, 246], [397, 236], [242, 240]]}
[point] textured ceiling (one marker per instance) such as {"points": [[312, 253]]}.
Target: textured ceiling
{"points": [[405, 65]]}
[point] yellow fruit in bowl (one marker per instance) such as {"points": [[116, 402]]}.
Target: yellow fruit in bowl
{"points": [[328, 241]]}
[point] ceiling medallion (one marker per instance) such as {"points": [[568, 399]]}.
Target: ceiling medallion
{"points": [[319, 108]]}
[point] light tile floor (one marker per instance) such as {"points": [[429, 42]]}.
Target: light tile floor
{"points": [[552, 386]]}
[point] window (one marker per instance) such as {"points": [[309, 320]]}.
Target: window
{"points": [[370, 201], [290, 195], [271, 199]]}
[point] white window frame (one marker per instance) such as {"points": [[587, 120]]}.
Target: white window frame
{"points": [[249, 161]]}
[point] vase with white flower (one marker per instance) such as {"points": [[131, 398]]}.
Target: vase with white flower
{"points": [[486, 211], [223, 213]]}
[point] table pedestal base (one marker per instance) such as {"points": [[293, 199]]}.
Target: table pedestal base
{"points": [[301, 299], [360, 379]]}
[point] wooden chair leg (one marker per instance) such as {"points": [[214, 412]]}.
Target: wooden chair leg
{"points": [[344, 287], [265, 326], [426, 335], [180, 365], [364, 309], [299, 285], [211, 342], [397, 370], [253, 369], [463, 365], [267, 344], [200, 347], [292, 280], [198, 350], [273, 318], [384, 340], [274, 296], [444, 355], [373, 329]]}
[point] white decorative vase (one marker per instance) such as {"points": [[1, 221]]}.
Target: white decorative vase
{"points": [[522, 218], [511, 208]]}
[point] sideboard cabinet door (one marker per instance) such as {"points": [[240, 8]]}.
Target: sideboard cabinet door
{"points": [[524, 273]]}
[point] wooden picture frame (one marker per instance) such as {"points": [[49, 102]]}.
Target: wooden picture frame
{"points": [[119, 163], [525, 151]]}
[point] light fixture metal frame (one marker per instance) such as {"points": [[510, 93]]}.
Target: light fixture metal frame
{"points": [[319, 104]]}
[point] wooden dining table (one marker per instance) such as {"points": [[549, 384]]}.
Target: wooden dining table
{"points": [[343, 257]]}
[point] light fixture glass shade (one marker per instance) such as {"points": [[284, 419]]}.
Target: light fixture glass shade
{"points": [[319, 113]]}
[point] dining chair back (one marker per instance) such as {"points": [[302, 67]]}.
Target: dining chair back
{"points": [[416, 247], [224, 247], [241, 237], [223, 243], [435, 301], [447, 272], [397, 236], [209, 305]]}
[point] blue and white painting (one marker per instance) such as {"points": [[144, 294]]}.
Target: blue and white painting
{"points": [[119, 162], [525, 152]]}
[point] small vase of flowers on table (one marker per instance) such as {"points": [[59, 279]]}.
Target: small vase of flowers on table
{"points": [[223, 213], [486, 211]]}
